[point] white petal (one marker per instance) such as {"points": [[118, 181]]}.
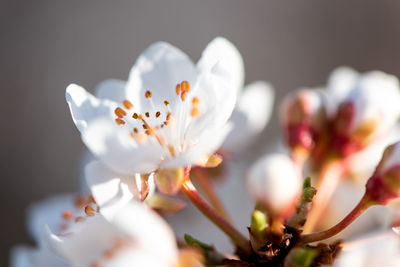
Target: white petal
{"points": [[114, 147], [222, 51], [340, 83], [159, 69], [111, 89], [48, 212], [112, 190], [85, 107], [207, 144], [148, 229], [250, 116], [377, 249], [21, 257]]}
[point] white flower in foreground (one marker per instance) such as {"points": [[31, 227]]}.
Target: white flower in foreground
{"points": [[274, 183], [169, 114], [136, 236], [378, 249], [58, 213]]}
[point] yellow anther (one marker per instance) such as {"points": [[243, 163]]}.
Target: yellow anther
{"points": [[120, 112], [178, 89], [195, 100], [183, 95], [166, 102], [127, 104], [195, 112], [185, 86], [148, 94], [119, 121], [67, 215]]}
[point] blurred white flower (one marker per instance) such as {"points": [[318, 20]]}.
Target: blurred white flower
{"points": [[169, 114], [135, 236], [250, 116], [366, 108], [377, 249], [274, 183], [58, 213]]}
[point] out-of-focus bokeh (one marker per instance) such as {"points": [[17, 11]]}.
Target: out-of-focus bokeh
{"points": [[45, 45]]}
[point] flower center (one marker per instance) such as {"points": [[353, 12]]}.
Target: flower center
{"points": [[159, 121]]}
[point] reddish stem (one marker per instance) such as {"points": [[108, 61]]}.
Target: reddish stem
{"points": [[328, 180], [193, 195], [364, 204], [207, 188]]}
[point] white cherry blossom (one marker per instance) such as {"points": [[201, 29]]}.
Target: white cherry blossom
{"points": [[135, 236], [170, 113]]}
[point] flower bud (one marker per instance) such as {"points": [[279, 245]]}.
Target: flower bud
{"points": [[274, 184], [303, 118], [370, 110], [384, 185]]}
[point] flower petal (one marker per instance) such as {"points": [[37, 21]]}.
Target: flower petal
{"points": [[250, 116], [111, 89], [112, 190], [85, 107], [115, 148], [222, 51], [159, 69]]}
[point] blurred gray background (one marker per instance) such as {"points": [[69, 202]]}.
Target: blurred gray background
{"points": [[45, 45]]}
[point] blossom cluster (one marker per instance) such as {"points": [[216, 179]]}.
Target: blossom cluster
{"points": [[175, 126]]}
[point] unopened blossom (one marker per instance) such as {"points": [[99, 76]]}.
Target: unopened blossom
{"points": [[135, 236], [58, 213], [169, 114], [368, 111], [377, 249], [303, 118], [384, 185], [274, 183]]}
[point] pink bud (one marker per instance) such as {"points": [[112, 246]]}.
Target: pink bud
{"points": [[369, 111], [384, 185], [303, 117]]}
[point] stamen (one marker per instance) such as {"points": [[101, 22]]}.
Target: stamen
{"points": [[169, 114], [127, 104], [148, 94], [166, 102], [119, 121], [183, 95], [89, 211], [144, 126], [185, 86], [195, 100], [80, 219], [195, 112], [158, 113], [171, 150], [147, 114], [120, 112], [67, 215], [178, 89], [135, 116], [135, 130]]}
